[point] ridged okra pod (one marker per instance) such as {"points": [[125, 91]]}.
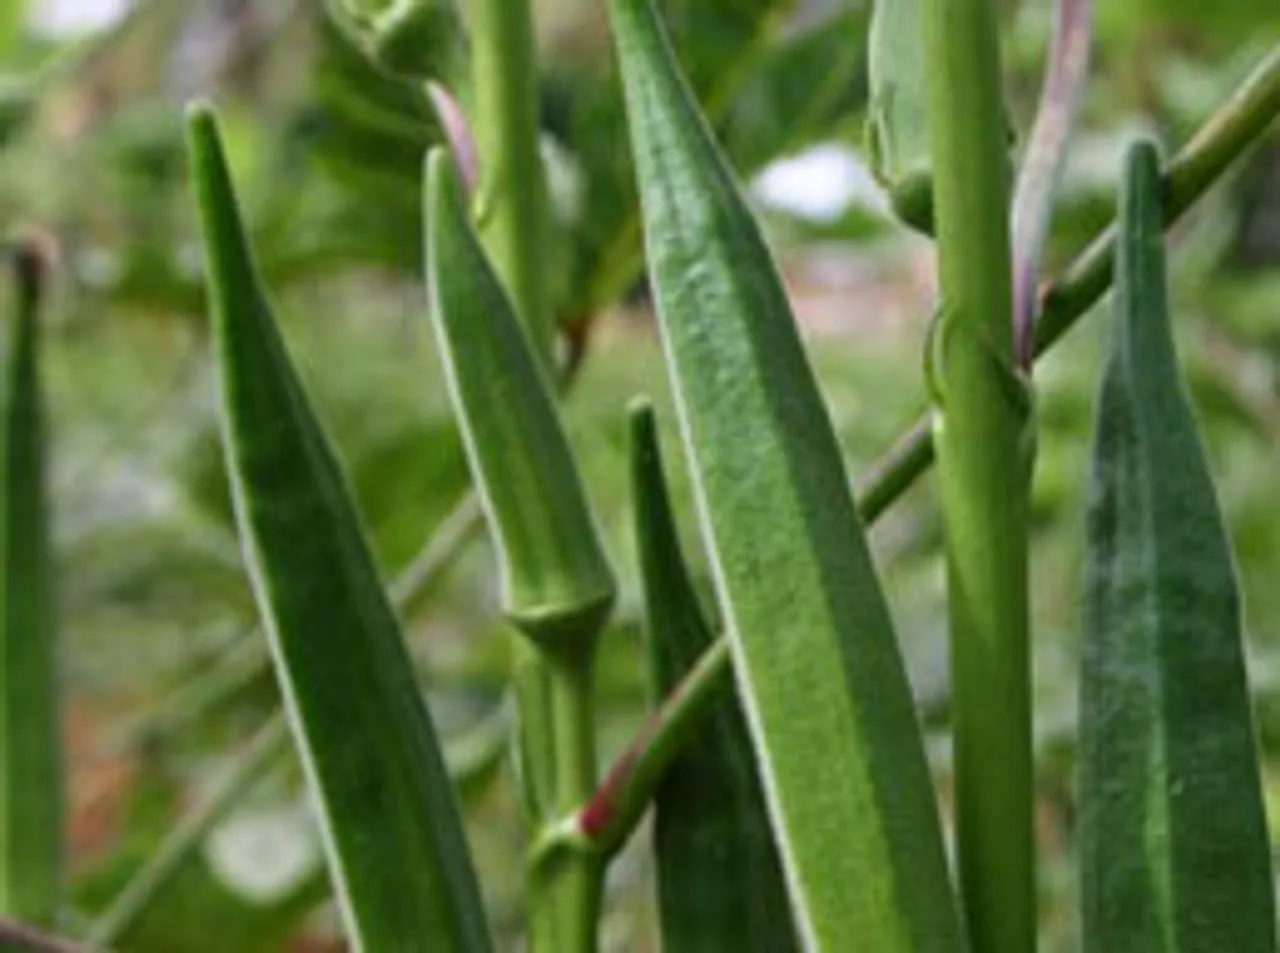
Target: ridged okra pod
{"points": [[1175, 856], [31, 768], [822, 684]]}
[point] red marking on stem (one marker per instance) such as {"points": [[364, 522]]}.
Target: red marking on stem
{"points": [[601, 811]]}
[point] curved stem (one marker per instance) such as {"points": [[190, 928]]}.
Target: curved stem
{"points": [[557, 718], [1064, 84], [19, 936], [613, 812]]}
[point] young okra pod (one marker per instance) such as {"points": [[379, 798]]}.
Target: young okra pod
{"points": [[898, 134], [825, 693], [732, 898], [31, 771], [389, 815], [557, 585], [1174, 849], [897, 116]]}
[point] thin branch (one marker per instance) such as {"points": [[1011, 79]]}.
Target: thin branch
{"points": [[259, 754], [1065, 77], [20, 937], [620, 801]]}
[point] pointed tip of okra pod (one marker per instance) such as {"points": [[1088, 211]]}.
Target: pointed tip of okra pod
{"points": [[643, 422], [205, 151], [442, 189], [200, 112], [1143, 158], [35, 257], [204, 138], [230, 271], [1142, 195], [641, 414]]}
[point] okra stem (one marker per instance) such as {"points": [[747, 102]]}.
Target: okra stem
{"points": [[557, 715], [511, 204]]}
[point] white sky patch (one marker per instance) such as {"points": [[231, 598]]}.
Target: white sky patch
{"points": [[73, 17], [821, 183]]}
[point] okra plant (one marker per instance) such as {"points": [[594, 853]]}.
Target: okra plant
{"points": [[783, 760]]}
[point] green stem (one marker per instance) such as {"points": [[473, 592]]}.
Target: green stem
{"points": [[19, 936], [578, 884], [565, 887], [556, 707], [609, 817], [982, 430], [511, 203], [1220, 142]]}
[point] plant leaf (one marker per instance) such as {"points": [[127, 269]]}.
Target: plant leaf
{"points": [[367, 132], [370, 753], [413, 39], [817, 665], [1174, 848], [31, 782], [720, 884]]}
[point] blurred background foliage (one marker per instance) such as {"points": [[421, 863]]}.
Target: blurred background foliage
{"points": [[165, 675]]}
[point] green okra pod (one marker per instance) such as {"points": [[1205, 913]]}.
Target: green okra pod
{"points": [[898, 116], [720, 884], [1174, 848], [557, 585], [31, 769], [389, 817], [898, 131], [815, 655]]}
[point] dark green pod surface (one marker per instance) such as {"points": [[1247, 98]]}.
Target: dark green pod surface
{"points": [[556, 582], [720, 883], [390, 820], [817, 665], [1174, 848], [31, 782]]}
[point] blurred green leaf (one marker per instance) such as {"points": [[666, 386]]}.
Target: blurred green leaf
{"points": [[369, 130], [13, 23], [414, 40]]}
